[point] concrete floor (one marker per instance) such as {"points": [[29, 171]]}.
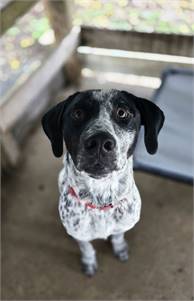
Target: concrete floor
{"points": [[39, 260]]}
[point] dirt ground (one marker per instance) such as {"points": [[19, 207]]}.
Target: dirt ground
{"points": [[39, 260]]}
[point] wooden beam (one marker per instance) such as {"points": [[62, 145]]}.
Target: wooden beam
{"points": [[11, 10], [13, 108], [137, 41], [60, 17]]}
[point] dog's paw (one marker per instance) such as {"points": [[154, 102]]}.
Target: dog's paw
{"points": [[89, 269], [122, 255]]}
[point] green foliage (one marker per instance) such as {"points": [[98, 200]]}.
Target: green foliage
{"points": [[38, 27], [168, 16]]}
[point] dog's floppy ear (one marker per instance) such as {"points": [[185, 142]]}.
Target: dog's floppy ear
{"points": [[52, 125], [152, 118]]}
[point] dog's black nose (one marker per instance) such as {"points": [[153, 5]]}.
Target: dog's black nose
{"points": [[100, 142]]}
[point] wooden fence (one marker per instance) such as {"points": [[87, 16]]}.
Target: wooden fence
{"points": [[65, 56]]}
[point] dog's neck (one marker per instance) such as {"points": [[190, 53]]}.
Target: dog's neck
{"points": [[103, 191]]}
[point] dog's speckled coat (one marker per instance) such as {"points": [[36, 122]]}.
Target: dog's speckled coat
{"points": [[85, 223], [100, 129]]}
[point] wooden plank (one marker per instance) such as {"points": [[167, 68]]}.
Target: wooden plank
{"points": [[131, 62], [11, 10], [128, 66], [137, 41], [12, 109]]}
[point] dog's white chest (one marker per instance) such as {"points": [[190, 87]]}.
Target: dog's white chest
{"points": [[85, 223]]}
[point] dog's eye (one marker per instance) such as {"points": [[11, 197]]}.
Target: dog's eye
{"points": [[123, 113], [77, 114]]}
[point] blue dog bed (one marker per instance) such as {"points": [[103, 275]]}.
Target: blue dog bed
{"points": [[174, 156]]}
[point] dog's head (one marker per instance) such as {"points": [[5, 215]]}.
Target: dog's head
{"points": [[100, 128]]}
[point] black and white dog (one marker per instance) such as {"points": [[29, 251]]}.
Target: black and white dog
{"points": [[98, 195]]}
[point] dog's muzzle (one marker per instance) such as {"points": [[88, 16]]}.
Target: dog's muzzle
{"points": [[99, 154]]}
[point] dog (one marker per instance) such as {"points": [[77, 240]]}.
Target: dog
{"points": [[98, 195]]}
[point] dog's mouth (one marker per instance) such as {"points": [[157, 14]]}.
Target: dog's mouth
{"points": [[98, 169]]}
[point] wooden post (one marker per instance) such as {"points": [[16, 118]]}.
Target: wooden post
{"points": [[11, 149], [59, 14]]}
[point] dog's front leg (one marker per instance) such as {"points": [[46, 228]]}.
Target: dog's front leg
{"points": [[120, 246], [88, 259]]}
